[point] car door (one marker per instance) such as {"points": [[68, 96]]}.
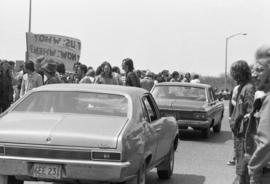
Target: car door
{"points": [[218, 106], [215, 106], [151, 126], [159, 125]]}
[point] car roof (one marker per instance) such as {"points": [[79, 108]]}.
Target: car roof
{"points": [[111, 89], [183, 84]]}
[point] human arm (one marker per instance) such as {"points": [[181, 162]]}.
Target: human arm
{"points": [[261, 156], [22, 91]]}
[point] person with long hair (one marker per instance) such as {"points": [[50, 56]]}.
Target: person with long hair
{"points": [[31, 79], [131, 78], [106, 76], [241, 73]]}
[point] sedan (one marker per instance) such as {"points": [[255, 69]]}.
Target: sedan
{"points": [[193, 105], [85, 132]]}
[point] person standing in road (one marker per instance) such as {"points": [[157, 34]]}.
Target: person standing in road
{"points": [[187, 77], [50, 72], [147, 82], [38, 66], [6, 89], [106, 76], [117, 75], [232, 104], [31, 79], [241, 73], [196, 79], [82, 70], [131, 78], [175, 77], [91, 74], [261, 156]]}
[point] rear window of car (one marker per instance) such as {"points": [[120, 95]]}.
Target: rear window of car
{"points": [[75, 102], [179, 92]]}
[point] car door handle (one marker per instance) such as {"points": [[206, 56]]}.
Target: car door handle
{"points": [[158, 129]]}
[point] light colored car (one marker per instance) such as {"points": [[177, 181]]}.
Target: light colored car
{"points": [[193, 105], [85, 132]]}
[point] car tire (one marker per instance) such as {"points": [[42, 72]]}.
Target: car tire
{"points": [[206, 132], [165, 171], [217, 128], [141, 175], [9, 180]]}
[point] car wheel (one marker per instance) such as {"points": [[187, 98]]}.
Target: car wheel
{"points": [[141, 175], [9, 180], [217, 127], [165, 170], [206, 132]]}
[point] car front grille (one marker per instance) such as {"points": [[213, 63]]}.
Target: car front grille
{"points": [[47, 153], [184, 115]]}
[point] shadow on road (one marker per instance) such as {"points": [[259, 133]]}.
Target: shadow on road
{"points": [[176, 179], [192, 135]]}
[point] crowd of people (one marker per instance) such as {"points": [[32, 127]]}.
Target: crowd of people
{"points": [[249, 118], [15, 83]]}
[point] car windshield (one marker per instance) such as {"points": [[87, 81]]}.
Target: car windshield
{"points": [[75, 102], [179, 92]]}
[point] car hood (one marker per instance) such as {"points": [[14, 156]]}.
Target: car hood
{"points": [[185, 105], [61, 130]]}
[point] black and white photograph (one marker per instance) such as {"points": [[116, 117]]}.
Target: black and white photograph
{"points": [[134, 92]]}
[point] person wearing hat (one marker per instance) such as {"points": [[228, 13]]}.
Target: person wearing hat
{"points": [[147, 82], [261, 156], [50, 72]]}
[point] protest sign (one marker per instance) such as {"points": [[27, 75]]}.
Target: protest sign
{"points": [[60, 48]]}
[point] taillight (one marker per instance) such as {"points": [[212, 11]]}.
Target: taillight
{"points": [[199, 116], [106, 156], [2, 150]]}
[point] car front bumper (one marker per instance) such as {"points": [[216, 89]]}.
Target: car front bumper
{"points": [[71, 169], [193, 123]]}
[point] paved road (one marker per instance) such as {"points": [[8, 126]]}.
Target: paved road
{"points": [[198, 160]]}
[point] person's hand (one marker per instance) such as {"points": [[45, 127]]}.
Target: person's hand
{"points": [[246, 116]]}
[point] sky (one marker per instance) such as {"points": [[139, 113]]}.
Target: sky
{"points": [[178, 35]]}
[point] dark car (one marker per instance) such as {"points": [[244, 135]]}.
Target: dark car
{"points": [[193, 105]]}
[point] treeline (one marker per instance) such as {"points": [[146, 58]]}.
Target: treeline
{"points": [[218, 82]]}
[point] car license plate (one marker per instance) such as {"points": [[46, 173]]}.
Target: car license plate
{"points": [[47, 171]]}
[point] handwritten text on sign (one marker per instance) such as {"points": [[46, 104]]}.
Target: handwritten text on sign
{"points": [[60, 48]]}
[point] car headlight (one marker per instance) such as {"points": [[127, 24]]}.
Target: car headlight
{"points": [[106, 156], [199, 116]]}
